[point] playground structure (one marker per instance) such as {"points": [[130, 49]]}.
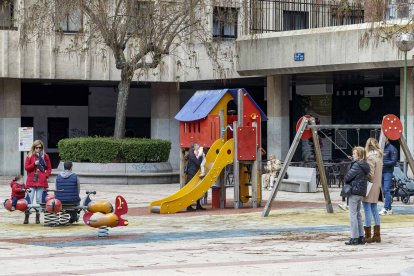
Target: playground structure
{"points": [[307, 128], [58, 212], [231, 139]]}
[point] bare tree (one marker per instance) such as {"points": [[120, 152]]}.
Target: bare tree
{"points": [[388, 19], [139, 34]]}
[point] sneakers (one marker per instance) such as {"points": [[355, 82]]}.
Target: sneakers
{"points": [[343, 207], [384, 212], [201, 175], [13, 209]]}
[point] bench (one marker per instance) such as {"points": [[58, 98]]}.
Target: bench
{"points": [[300, 180]]}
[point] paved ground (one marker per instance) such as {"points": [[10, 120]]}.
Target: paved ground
{"points": [[298, 238]]}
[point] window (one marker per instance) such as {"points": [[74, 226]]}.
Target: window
{"points": [[295, 20], [225, 22], [6, 15], [71, 23], [58, 129], [351, 16], [142, 18], [402, 9]]}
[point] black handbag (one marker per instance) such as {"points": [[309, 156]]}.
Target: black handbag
{"points": [[346, 190]]}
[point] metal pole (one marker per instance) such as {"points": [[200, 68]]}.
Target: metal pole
{"points": [[367, 126], [405, 107], [222, 177], [254, 173], [182, 175], [236, 169], [405, 93]]}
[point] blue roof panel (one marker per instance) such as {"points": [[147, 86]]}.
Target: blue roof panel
{"points": [[203, 101], [200, 105]]}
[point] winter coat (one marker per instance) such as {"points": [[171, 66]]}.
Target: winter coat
{"points": [[17, 189], [67, 186], [374, 161], [357, 177], [29, 166], [390, 158], [193, 165]]}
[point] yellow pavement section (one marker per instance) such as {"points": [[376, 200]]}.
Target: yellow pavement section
{"points": [[218, 157]]}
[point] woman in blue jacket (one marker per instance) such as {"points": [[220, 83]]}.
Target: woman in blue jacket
{"points": [[357, 177]]}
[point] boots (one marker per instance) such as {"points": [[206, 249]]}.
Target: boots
{"points": [[368, 237], [199, 207], [352, 242], [26, 217], [37, 218], [377, 234]]}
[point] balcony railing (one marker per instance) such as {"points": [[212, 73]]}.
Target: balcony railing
{"points": [[6, 16], [277, 16]]}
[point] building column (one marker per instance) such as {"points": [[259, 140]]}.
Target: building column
{"points": [[165, 104], [278, 115], [410, 107], [10, 115]]}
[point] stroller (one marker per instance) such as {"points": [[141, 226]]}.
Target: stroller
{"points": [[403, 186]]}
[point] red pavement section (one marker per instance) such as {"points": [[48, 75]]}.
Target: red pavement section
{"points": [[247, 208]]}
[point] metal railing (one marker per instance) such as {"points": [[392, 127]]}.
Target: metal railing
{"points": [[277, 15], [6, 16]]}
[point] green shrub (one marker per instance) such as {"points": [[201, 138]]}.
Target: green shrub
{"points": [[107, 150]]}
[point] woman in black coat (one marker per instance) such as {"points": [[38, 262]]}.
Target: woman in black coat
{"points": [[357, 177], [193, 165]]}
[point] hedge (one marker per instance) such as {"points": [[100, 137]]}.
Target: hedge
{"points": [[109, 150]]}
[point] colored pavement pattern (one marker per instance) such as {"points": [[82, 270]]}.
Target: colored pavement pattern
{"points": [[298, 238]]}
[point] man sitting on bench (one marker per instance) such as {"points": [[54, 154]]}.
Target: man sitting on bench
{"points": [[68, 188]]}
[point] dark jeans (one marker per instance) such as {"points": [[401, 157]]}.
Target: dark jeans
{"points": [[14, 201], [189, 177], [386, 189]]}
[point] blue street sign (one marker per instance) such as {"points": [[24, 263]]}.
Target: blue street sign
{"points": [[299, 57]]}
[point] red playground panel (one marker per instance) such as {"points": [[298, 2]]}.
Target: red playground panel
{"points": [[392, 127], [205, 132], [246, 143], [251, 114], [307, 134]]}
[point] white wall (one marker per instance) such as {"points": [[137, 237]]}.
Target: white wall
{"points": [[325, 49]]}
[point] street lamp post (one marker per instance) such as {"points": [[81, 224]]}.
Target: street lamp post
{"points": [[405, 42]]}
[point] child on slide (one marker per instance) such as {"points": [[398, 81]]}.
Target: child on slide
{"points": [[199, 152]]}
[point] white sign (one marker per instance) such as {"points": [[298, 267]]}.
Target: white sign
{"points": [[25, 138]]}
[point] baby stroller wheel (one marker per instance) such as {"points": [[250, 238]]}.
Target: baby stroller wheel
{"points": [[405, 199]]}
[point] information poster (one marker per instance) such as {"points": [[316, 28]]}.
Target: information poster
{"points": [[25, 138]]}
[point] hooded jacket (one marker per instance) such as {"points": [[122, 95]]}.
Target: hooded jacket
{"points": [[17, 189], [357, 177], [67, 186]]}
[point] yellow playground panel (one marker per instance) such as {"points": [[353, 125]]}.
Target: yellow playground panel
{"points": [[218, 157]]}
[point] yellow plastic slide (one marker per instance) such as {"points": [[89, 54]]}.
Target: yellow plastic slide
{"points": [[218, 157]]}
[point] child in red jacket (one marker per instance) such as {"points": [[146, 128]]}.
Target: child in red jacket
{"points": [[18, 190]]}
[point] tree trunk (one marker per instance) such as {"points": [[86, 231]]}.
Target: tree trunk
{"points": [[121, 106]]}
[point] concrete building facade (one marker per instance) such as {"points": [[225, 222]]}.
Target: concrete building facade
{"points": [[331, 65]]}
